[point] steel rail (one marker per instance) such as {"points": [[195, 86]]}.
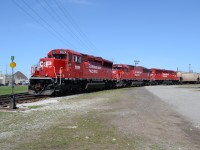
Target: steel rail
{"points": [[19, 98]]}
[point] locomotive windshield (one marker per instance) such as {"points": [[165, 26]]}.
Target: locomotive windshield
{"points": [[117, 68], [59, 56]]}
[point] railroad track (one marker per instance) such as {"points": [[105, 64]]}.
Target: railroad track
{"points": [[19, 98]]}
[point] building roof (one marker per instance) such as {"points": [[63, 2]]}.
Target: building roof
{"points": [[20, 75]]}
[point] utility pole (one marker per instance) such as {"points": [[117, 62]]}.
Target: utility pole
{"points": [[6, 69], [136, 62], [6, 76], [189, 67]]}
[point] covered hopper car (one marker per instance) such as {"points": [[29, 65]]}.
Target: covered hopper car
{"points": [[188, 77]]}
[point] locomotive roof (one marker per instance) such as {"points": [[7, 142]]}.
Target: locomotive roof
{"points": [[67, 50], [130, 66], [162, 69], [184, 72], [74, 52], [96, 58], [123, 65], [86, 55], [138, 66]]}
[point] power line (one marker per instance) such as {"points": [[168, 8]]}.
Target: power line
{"points": [[66, 26], [72, 21], [54, 33], [46, 22], [86, 42]]}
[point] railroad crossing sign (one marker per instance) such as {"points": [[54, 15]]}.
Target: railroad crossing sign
{"points": [[12, 64]]}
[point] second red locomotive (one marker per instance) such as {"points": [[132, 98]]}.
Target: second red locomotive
{"points": [[130, 75]]}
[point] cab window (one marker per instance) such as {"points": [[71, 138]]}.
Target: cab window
{"points": [[77, 59], [59, 56], [117, 68], [70, 57]]}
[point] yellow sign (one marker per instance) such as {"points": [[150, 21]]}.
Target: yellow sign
{"points": [[12, 64]]}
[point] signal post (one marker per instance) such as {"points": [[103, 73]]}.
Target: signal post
{"points": [[12, 102]]}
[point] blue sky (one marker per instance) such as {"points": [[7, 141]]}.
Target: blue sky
{"points": [[158, 33]]}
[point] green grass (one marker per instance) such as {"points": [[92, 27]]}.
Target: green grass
{"points": [[35, 107], [90, 133], [17, 89]]}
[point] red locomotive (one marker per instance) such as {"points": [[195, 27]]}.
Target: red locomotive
{"points": [[162, 76], [130, 75], [64, 70], [121, 74], [140, 75]]}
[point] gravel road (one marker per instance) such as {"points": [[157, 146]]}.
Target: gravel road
{"points": [[184, 100]]}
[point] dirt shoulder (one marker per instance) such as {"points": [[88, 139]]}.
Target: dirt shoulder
{"points": [[139, 113], [131, 118]]}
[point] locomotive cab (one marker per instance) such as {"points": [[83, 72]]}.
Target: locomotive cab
{"points": [[121, 73], [46, 75]]}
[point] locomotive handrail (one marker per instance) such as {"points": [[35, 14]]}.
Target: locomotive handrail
{"points": [[55, 73], [60, 74]]}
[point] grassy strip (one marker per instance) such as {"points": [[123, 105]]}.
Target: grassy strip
{"points": [[17, 89], [35, 107], [83, 132]]}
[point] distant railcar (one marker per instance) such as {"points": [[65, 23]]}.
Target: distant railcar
{"points": [[188, 77]]}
